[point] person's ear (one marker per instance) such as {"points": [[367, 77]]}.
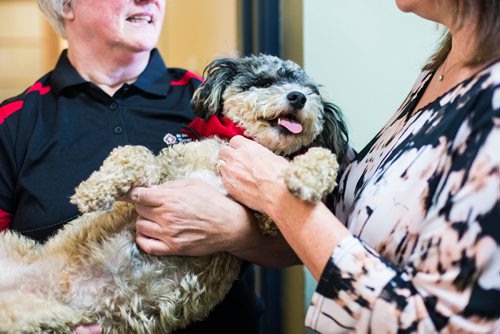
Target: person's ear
{"points": [[67, 12]]}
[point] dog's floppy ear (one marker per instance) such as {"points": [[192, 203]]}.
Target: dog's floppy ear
{"points": [[207, 99], [334, 135]]}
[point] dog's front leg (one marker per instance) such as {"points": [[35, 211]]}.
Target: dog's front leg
{"points": [[126, 167], [312, 176]]}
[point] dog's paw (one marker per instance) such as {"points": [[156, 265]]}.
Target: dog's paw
{"points": [[125, 167], [312, 176]]}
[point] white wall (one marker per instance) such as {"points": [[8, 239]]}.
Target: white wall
{"points": [[366, 54]]}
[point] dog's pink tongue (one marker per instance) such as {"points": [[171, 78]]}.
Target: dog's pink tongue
{"points": [[292, 126]]}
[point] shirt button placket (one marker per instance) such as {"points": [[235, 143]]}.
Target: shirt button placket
{"points": [[118, 129]]}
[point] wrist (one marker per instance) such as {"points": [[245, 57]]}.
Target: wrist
{"points": [[241, 234], [264, 249], [275, 194]]}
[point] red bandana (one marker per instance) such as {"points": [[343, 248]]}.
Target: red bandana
{"points": [[219, 126]]}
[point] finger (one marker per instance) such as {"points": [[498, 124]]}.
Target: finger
{"points": [[224, 153], [143, 196], [153, 214], [147, 227], [176, 184], [230, 177], [219, 165], [238, 141], [152, 246]]}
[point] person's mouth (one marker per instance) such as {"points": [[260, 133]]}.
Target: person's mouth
{"points": [[141, 18]]}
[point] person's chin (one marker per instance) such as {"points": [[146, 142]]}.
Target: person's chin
{"points": [[141, 35], [404, 6], [142, 44], [142, 48]]}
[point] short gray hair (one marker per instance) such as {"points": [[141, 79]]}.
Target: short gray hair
{"points": [[53, 9]]}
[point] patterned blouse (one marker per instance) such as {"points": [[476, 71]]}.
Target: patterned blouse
{"points": [[422, 201]]}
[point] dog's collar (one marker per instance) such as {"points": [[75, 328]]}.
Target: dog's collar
{"points": [[219, 126]]}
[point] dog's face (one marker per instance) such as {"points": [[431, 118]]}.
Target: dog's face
{"points": [[273, 100]]}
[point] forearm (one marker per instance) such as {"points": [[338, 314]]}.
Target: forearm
{"points": [[269, 251], [264, 250], [310, 228]]}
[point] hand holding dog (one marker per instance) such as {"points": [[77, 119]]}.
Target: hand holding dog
{"points": [[189, 217], [252, 174]]}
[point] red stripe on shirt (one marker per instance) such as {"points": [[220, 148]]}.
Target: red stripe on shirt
{"points": [[5, 219], [38, 87], [12, 107], [185, 79], [9, 109]]}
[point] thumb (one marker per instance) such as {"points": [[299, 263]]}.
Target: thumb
{"points": [[143, 196], [238, 141]]}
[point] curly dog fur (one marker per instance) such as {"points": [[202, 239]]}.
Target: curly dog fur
{"points": [[92, 272]]}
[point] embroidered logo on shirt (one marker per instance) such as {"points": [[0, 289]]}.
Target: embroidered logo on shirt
{"points": [[171, 139]]}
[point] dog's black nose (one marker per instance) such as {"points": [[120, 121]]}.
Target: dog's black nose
{"points": [[297, 99]]}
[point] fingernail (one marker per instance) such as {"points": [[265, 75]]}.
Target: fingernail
{"points": [[132, 195]]}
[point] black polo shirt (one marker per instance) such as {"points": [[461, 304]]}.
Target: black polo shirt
{"points": [[56, 133], [63, 127]]}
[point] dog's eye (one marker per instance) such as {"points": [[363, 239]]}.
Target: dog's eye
{"points": [[314, 89], [263, 83]]}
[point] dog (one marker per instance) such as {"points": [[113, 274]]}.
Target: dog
{"points": [[92, 272]]}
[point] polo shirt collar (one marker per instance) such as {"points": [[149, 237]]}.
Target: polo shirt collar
{"points": [[65, 75], [154, 79]]}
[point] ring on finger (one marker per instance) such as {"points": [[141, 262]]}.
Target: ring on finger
{"points": [[218, 165]]}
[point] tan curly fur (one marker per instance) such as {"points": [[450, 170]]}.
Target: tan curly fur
{"points": [[92, 272]]}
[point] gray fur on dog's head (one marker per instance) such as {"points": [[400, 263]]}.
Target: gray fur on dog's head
{"points": [[259, 93]]}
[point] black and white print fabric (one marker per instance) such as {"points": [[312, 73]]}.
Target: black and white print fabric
{"points": [[422, 201]]}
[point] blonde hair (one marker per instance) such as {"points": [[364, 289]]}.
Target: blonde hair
{"points": [[53, 9]]}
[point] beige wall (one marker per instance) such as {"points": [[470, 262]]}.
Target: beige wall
{"points": [[26, 46], [194, 32]]}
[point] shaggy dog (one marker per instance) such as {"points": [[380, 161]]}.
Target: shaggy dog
{"points": [[92, 272]]}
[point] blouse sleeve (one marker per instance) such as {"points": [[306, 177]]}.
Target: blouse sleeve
{"points": [[451, 281]]}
